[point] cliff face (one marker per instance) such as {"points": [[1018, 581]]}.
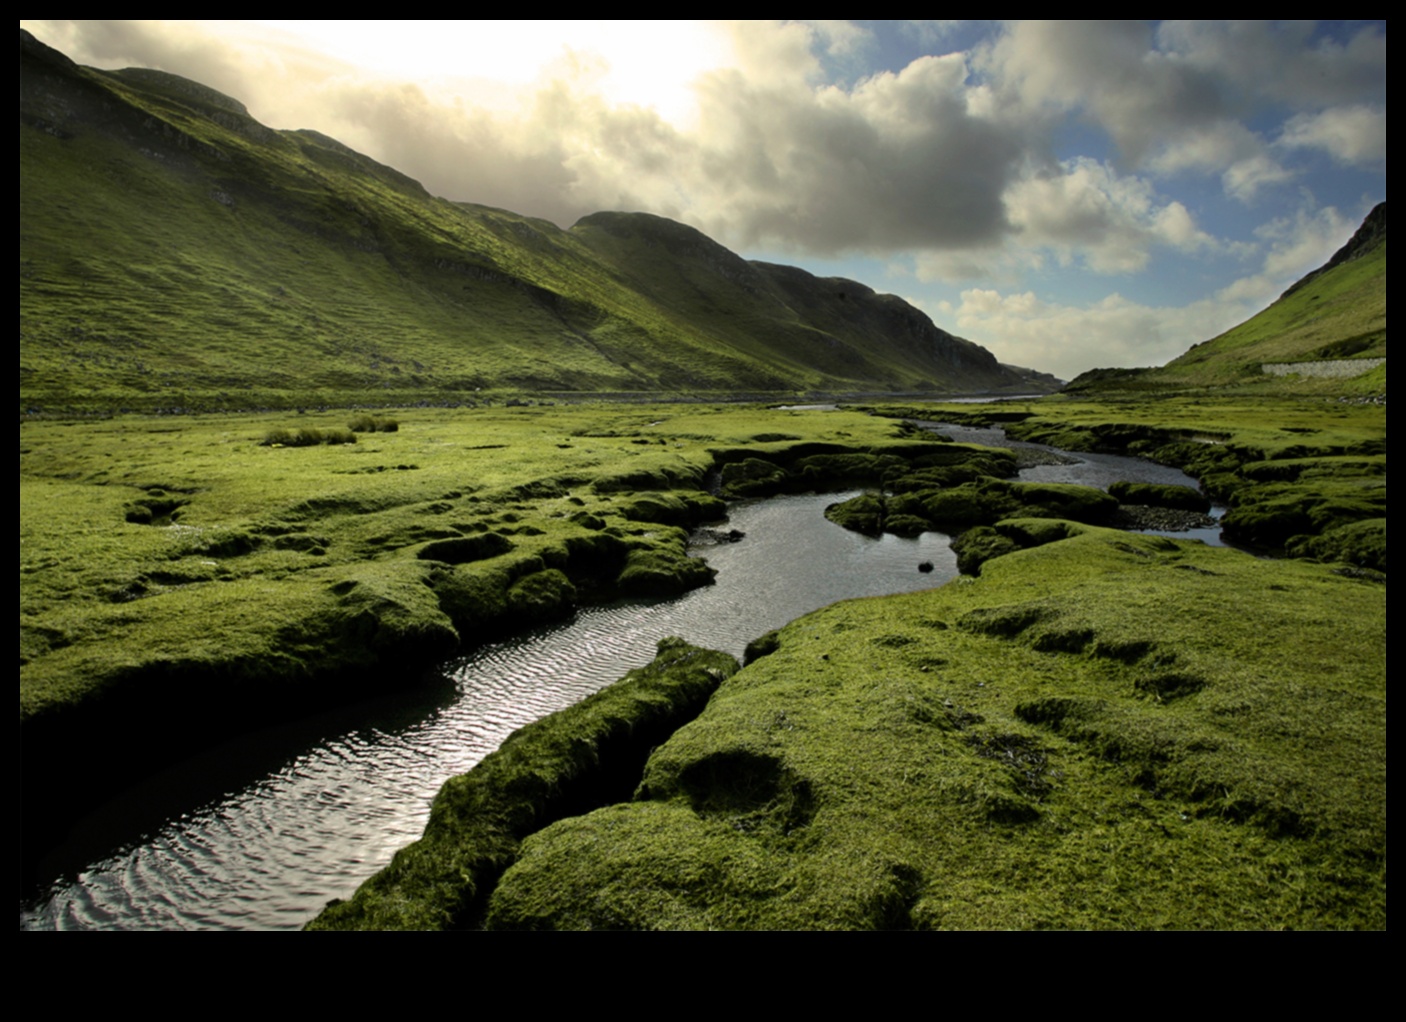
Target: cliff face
{"points": [[176, 252]]}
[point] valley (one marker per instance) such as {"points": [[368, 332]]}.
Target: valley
{"points": [[295, 435]]}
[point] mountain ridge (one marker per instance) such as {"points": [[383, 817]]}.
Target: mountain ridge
{"points": [[177, 253]]}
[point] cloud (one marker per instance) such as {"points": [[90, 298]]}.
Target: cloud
{"points": [[896, 161], [1293, 62], [1304, 241], [1110, 71], [1114, 331], [1067, 339], [1179, 99], [1353, 135], [1088, 212]]}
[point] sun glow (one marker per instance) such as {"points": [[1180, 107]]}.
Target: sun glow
{"points": [[648, 64]]}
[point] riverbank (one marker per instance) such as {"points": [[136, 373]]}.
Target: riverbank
{"points": [[183, 580], [1102, 730]]}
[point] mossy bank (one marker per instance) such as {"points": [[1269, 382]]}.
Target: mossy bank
{"points": [[183, 578], [1101, 730]]}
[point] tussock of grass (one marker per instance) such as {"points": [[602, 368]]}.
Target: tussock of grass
{"points": [[307, 437], [373, 424]]}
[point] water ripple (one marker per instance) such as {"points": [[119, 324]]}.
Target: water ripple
{"points": [[271, 854]]}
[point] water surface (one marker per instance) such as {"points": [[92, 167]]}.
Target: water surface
{"points": [[262, 831], [336, 804]]}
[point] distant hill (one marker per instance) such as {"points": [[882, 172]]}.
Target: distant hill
{"points": [[1336, 312], [174, 252]]}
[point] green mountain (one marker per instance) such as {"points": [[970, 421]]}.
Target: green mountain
{"points": [[1337, 312], [174, 252]]}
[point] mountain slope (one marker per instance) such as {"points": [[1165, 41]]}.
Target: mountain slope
{"points": [[175, 252], [1337, 311]]}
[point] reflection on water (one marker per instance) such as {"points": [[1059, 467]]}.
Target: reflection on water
{"points": [[1097, 470], [270, 852], [261, 832]]}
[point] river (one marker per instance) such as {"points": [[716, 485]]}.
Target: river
{"points": [[262, 831]]}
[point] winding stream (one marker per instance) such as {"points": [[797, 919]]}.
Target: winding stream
{"points": [[261, 832]]}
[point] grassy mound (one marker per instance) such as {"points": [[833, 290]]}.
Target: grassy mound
{"points": [[1290, 471]]}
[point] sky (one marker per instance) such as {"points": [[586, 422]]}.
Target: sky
{"points": [[1067, 194]]}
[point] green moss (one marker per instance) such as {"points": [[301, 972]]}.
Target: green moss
{"points": [[586, 755], [680, 507], [662, 567], [1183, 498], [864, 513], [753, 477], [1103, 740], [1359, 543], [541, 596], [974, 547], [463, 550]]}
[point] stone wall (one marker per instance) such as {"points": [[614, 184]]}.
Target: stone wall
{"points": [[1335, 368]]}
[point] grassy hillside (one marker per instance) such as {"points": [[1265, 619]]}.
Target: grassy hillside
{"points": [[1336, 312], [175, 253]]}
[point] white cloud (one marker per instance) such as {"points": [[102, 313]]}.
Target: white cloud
{"points": [[1304, 241], [1067, 339], [1244, 178], [1180, 99], [1354, 135], [1087, 212]]}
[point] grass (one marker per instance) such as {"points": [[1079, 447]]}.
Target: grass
{"points": [[1108, 731], [153, 545], [176, 254], [1103, 730]]}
